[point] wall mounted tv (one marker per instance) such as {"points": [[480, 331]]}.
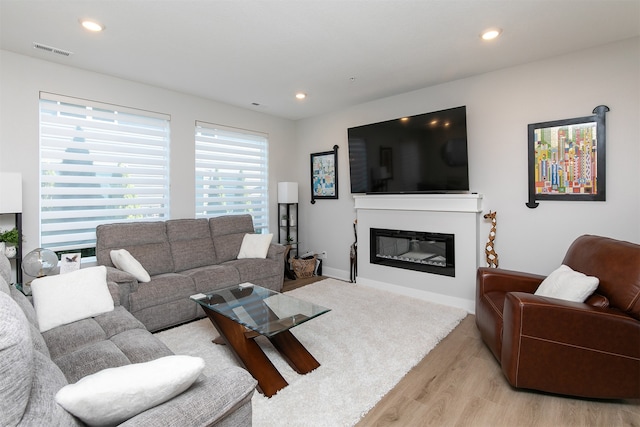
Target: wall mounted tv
{"points": [[426, 153]]}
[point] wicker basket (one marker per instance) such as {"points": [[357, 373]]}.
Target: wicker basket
{"points": [[303, 267]]}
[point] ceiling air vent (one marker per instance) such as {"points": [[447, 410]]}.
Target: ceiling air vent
{"points": [[50, 49]]}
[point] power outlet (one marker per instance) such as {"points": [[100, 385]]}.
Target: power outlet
{"points": [[323, 255]]}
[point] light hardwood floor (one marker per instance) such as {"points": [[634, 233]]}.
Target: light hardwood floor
{"points": [[459, 383]]}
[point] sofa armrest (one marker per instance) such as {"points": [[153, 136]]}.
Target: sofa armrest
{"points": [[121, 283], [570, 348], [207, 402], [500, 280], [276, 252]]}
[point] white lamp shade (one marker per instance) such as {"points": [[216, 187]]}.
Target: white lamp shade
{"points": [[287, 192], [10, 192]]}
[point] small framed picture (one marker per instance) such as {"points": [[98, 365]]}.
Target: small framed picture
{"points": [[324, 175], [69, 262]]}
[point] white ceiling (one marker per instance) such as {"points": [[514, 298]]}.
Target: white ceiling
{"points": [[340, 52]]}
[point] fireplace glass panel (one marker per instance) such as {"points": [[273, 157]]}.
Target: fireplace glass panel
{"points": [[413, 250]]}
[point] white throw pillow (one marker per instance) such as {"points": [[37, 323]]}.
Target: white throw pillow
{"points": [[124, 261], [66, 298], [255, 246], [114, 395], [564, 283]]}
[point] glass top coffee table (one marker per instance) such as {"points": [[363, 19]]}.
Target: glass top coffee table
{"points": [[241, 313]]}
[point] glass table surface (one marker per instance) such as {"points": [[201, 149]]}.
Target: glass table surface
{"points": [[262, 310]]}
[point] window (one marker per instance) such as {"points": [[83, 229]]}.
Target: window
{"points": [[98, 164], [231, 173]]}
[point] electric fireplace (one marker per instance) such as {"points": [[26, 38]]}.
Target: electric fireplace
{"points": [[413, 250]]}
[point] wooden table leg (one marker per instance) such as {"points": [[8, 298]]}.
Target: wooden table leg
{"points": [[294, 352], [248, 353]]}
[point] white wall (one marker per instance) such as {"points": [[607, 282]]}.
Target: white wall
{"points": [[22, 78], [500, 105]]}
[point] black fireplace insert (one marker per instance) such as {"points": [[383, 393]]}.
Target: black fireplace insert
{"points": [[413, 250]]}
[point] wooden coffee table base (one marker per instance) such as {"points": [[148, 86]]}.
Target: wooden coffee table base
{"points": [[251, 356]]}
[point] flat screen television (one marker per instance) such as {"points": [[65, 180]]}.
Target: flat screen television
{"points": [[425, 153]]}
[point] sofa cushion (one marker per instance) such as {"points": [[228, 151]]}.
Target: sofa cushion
{"points": [[69, 338], [113, 395], [191, 244], [27, 309], [90, 359], [124, 261], [162, 289], [146, 241], [251, 269], [105, 341], [139, 345], [4, 286], [16, 361], [255, 245], [564, 283], [47, 380], [227, 233], [25, 305], [213, 277], [65, 298], [5, 268]]}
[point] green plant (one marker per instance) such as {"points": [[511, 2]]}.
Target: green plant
{"points": [[10, 236]]}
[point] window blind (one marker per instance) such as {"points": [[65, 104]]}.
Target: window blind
{"points": [[99, 164], [232, 173]]}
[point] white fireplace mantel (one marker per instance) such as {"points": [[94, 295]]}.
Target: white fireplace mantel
{"points": [[464, 202]]}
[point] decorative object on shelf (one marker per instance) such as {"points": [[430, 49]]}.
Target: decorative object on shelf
{"points": [[9, 242], [10, 251], [324, 175], [353, 254], [489, 248], [70, 262], [567, 159], [10, 236], [39, 262]]}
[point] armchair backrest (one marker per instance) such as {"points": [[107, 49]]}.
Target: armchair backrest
{"points": [[616, 263]]}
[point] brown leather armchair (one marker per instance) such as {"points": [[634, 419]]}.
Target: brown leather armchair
{"points": [[589, 349]]}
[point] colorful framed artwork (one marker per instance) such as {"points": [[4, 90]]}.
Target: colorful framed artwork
{"points": [[567, 159], [324, 175]]}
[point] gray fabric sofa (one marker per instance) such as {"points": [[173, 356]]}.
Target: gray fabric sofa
{"points": [[34, 366], [184, 257]]}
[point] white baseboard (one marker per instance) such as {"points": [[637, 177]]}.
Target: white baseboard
{"points": [[468, 305]]}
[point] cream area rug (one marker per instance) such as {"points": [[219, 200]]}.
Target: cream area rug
{"points": [[367, 342]]}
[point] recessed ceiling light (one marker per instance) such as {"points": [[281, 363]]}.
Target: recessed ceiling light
{"points": [[491, 33], [301, 95], [91, 25]]}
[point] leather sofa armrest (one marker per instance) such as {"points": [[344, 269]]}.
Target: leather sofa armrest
{"points": [[570, 348], [500, 280]]}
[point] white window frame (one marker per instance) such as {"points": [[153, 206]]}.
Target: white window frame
{"points": [[232, 173], [95, 159]]}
